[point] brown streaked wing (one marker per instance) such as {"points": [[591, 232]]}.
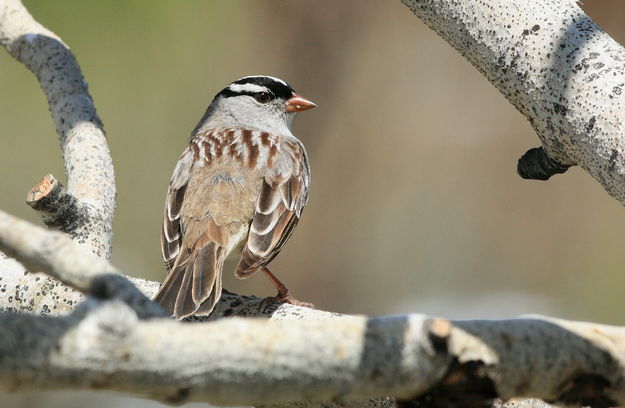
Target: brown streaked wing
{"points": [[171, 233], [279, 206]]}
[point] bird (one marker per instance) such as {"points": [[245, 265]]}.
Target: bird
{"points": [[238, 190]]}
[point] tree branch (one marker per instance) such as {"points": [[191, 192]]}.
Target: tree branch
{"points": [[557, 67], [59, 210], [88, 164], [315, 356]]}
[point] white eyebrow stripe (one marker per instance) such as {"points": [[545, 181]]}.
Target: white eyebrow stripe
{"points": [[247, 88], [266, 76]]}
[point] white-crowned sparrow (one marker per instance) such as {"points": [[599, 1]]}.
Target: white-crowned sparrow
{"points": [[239, 187]]}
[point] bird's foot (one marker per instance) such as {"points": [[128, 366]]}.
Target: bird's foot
{"points": [[284, 297]]}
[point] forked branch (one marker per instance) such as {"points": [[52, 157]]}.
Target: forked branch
{"points": [[89, 202]]}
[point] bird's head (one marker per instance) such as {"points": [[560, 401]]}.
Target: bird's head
{"points": [[258, 101]]}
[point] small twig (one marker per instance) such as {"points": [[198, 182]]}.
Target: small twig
{"points": [[59, 210], [535, 164]]}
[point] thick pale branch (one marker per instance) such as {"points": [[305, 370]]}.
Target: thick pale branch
{"points": [[37, 293], [316, 356], [430, 362], [230, 361], [88, 162], [557, 67]]}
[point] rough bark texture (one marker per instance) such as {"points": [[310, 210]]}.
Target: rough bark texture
{"points": [[229, 361], [88, 164], [299, 354], [557, 67], [59, 209], [303, 354]]}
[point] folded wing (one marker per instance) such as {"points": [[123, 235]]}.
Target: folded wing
{"points": [[283, 195]]}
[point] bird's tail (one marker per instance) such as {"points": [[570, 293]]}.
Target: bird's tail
{"points": [[193, 285]]}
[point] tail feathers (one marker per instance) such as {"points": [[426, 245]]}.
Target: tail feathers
{"points": [[207, 306], [193, 285], [203, 281]]}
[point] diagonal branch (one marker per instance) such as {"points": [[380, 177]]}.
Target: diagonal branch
{"points": [[88, 164], [557, 67]]}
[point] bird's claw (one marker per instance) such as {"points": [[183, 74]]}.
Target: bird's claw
{"points": [[284, 298]]}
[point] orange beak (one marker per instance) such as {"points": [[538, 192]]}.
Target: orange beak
{"points": [[298, 103]]}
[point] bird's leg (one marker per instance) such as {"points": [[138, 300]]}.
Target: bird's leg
{"points": [[283, 295]]}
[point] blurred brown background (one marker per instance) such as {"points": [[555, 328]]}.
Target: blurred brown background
{"points": [[415, 202]]}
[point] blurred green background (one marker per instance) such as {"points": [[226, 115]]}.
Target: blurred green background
{"points": [[415, 203]]}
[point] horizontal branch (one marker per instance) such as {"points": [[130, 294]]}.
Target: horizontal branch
{"points": [[426, 361], [88, 164], [557, 67], [106, 345], [314, 356]]}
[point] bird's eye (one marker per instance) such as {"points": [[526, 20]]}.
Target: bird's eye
{"points": [[262, 97]]}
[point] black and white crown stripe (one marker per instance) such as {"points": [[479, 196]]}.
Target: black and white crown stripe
{"points": [[253, 77], [251, 85], [247, 88]]}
